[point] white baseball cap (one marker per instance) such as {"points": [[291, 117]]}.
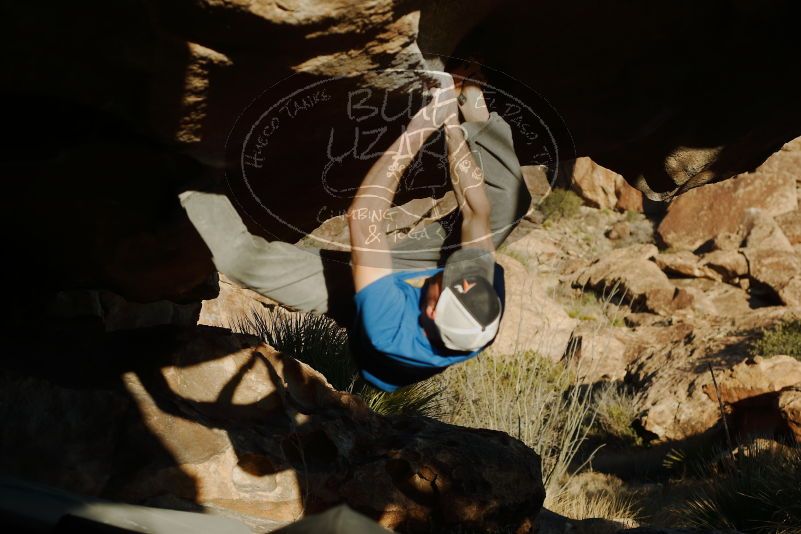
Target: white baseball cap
{"points": [[468, 312]]}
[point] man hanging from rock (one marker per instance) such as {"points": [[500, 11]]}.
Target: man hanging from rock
{"points": [[420, 305]]}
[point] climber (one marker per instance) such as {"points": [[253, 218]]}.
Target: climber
{"points": [[403, 333], [414, 314]]}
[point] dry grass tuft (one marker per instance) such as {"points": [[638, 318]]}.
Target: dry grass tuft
{"points": [[528, 397]]}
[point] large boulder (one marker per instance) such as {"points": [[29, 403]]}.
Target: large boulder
{"points": [[630, 273], [761, 231], [145, 95], [600, 187], [203, 417], [726, 265], [592, 182], [701, 214], [680, 399], [598, 353], [681, 263], [532, 320]]}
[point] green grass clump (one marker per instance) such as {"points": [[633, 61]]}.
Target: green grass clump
{"points": [[755, 491], [320, 343], [633, 216], [560, 204], [584, 305], [784, 338], [617, 409]]}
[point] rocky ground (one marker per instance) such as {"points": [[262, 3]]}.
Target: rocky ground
{"points": [[665, 310], [121, 378], [667, 307]]}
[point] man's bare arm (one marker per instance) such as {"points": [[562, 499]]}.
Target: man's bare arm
{"points": [[370, 255], [467, 179]]}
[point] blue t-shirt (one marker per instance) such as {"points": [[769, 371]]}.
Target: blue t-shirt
{"points": [[388, 326]]}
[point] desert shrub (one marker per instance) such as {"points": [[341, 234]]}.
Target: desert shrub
{"points": [[529, 397], [319, 342], [617, 409], [784, 338], [756, 490], [560, 203], [591, 495], [602, 504]]}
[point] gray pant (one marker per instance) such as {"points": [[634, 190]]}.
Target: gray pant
{"points": [[305, 279]]}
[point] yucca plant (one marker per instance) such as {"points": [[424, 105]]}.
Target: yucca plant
{"points": [[320, 343], [757, 490]]}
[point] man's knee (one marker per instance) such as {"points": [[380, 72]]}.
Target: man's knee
{"points": [[234, 258]]}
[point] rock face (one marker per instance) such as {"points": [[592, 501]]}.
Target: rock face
{"points": [[680, 399], [790, 224], [532, 320], [778, 270], [599, 353], [701, 214], [223, 421], [151, 90], [231, 305], [602, 188], [630, 272]]}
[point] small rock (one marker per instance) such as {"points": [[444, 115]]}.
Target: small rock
{"points": [[727, 241], [633, 320], [683, 263], [726, 265], [232, 304], [619, 230], [628, 198], [593, 183]]}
